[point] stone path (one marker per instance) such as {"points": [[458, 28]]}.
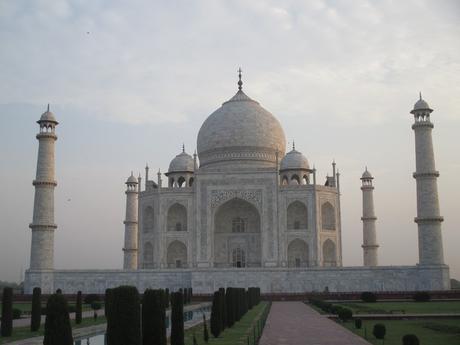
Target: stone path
{"points": [[294, 323]]}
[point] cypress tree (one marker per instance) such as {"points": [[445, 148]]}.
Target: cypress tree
{"points": [[78, 308], [223, 308], [216, 321], [167, 298], [153, 318], [58, 330], [36, 313], [6, 327], [229, 306], [108, 302], [177, 319], [123, 322], [205, 330]]}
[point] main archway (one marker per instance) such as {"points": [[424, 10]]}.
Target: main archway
{"points": [[237, 235]]}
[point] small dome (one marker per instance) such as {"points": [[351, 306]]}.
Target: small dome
{"points": [[367, 175], [421, 104], [183, 162], [294, 160], [47, 116], [131, 179]]}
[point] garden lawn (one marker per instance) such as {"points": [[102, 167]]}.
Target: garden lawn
{"points": [[24, 332], [431, 307], [231, 336], [429, 332]]}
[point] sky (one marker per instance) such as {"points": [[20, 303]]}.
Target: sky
{"points": [[130, 81]]}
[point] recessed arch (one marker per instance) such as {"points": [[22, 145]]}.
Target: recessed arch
{"points": [[148, 219], [148, 255], [298, 253], [177, 218], [190, 181], [284, 181], [237, 224], [328, 216], [297, 216], [329, 253], [181, 182], [176, 255]]}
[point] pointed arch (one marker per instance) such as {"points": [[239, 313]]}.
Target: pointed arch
{"points": [[295, 179], [181, 182], [176, 255], [284, 181], [177, 218], [329, 253], [148, 219], [148, 255], [298, 253], [328, 216], [297, 216]]}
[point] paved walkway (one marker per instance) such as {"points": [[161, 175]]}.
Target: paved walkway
{"points": [[294, 323]]}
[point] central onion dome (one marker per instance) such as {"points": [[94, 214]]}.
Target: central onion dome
{"points": [[241, 134]]}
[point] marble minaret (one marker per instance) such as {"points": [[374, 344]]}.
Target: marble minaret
{"points": [[43, 226], [131, 224], [428, 217], [370, 245]]}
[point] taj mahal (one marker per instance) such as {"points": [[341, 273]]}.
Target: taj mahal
{"points": [[243, 210]]}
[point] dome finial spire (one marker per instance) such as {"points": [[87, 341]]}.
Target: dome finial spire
{"points": [[183, 147], [240, 82], [420, 95], [293, 144], [48, 108]]}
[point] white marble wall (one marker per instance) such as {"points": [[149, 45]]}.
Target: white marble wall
{"points": [[343, 279]]}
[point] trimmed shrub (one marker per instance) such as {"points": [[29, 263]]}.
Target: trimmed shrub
{"points": [[345, 314], [379, 331], [90, 298], [154, 318], [229, 307], [58, 330], [17, 313], [177, 319], [167, 298], [123, 321], [216, 316], [368, 297], [78, 308], [59, 291], [223, 308], [358, 323], [108, 301], [6, 326], [422, 296], [36, 313], [410, 339]]}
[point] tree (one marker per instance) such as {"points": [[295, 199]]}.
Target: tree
{"points": [[36, 313], [379, 331], [58, 330], [123, 321], [177, 319], [345, 314], [78, 308], [205, 330], [216, 316], [223, 308], [108, 300], [167, 298], [229, 307], [154, 318], [410, 339], [368, 297], [421, 296], [194, 340], [92, 297], [358, 323], [7, 313]]}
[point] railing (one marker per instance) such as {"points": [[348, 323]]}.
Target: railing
{"points": [[253, 336]]}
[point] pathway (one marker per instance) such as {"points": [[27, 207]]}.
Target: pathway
{"points": [[294, 323]]}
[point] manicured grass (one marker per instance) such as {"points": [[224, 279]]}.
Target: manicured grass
{"points": [[27, 306], [429, 332], [231, 336], [24, 332], [431, 307]]}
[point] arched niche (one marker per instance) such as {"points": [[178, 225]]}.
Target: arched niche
{"points": [[298, 253], [148, 219], [329, 253], [237, 227], [177, 218], [148, 255], [176, 255], [328, 216], [297, 216]]}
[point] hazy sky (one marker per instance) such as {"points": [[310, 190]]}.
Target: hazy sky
{"points": [[130, 81]]}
